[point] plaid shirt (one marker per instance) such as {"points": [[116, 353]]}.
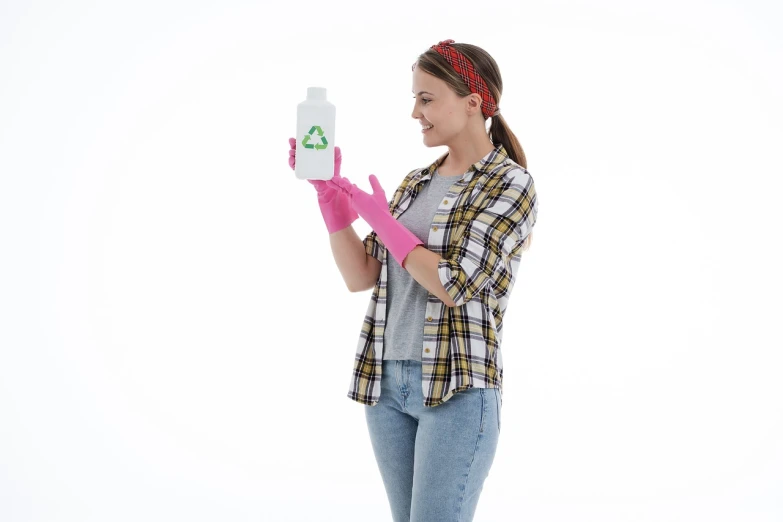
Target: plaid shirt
{"points": [[478, 230]]}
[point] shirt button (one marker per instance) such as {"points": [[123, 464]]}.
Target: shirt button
{"points": [[445, 201], [435, 229], [429, 318], [427, 350]]}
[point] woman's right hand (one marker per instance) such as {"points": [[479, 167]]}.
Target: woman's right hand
{"points": [[319, 184], [335, 206]]}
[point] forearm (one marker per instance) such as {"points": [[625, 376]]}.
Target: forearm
{"points": [[350, 256], [422, 265]]}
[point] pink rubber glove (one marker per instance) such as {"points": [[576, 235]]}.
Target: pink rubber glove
{"points": [[375, 210], [335, 205]]}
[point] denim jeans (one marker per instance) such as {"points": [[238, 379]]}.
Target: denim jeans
{"points": [[433, 460]]}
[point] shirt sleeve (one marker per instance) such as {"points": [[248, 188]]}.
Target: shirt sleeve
{"points": [[491, 239], [373, 247]]}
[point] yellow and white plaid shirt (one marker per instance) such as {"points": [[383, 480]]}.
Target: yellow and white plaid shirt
{"points": [[478, 229]]}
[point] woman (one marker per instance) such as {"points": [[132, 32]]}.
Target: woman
{"points": [[428, 366]]}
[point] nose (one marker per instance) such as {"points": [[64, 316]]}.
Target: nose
{"points": [[415, 113]]}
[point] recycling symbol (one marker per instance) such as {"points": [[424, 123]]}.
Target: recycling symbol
{"points": [[315, 145]]}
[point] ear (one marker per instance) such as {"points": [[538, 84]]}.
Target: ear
{"points": [[474, 103]]}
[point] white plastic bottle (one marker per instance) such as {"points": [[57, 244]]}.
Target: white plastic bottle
{"points": [[315, 119]]}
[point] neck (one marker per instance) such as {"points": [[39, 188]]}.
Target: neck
{"points": [[466, 150]]}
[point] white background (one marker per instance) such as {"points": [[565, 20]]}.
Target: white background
{"points": [[176, 342]]}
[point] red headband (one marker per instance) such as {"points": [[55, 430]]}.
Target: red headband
{"points": [[465, 69]]}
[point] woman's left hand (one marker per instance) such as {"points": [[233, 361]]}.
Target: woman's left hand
{"points": [[374, 208], [369, 206]]}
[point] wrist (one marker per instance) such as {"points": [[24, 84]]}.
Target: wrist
{"points": [[399, 241], [337, 212]]}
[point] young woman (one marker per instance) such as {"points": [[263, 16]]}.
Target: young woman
{"points": [[442, 259]]}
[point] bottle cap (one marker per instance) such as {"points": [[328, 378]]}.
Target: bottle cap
{"points": [[316, 93]]}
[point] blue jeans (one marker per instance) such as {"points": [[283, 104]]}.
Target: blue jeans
{"points": [[433, 460]]}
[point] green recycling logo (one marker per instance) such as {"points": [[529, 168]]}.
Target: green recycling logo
{"points": [[314, 145]]}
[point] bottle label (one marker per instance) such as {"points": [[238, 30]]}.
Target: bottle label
{"points": [[315, 133]]}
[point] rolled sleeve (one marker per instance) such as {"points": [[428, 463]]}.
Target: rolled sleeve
{"points": [[373, 247], [491, 239]]}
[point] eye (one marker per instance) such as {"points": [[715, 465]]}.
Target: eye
{"points": [[423, 100]]}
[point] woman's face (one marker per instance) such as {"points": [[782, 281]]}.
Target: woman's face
{"points": [[437, 105], [434, 105]]}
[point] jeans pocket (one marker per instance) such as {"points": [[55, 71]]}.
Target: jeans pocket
{"points": [[499, 404]]}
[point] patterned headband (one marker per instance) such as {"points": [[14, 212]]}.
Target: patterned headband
{"points": [[464, 68]]}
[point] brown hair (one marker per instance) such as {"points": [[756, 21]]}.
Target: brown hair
{"points": [[433, 63]]}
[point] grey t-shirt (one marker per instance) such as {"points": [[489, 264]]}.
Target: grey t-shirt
{"points": [[406, 299]]}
